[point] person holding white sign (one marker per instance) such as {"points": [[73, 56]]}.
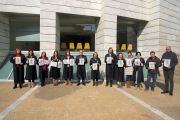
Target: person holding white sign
{"points": [[95, 62], [110, 66], [120, 64], [18, 69], [31, 73], [138, 76], [81, 70], [152, 64], [129, 69], [43, 70], [168, 69], [68, 69], [55, 71]]}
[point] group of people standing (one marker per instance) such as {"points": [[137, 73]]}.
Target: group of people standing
{"points": [[115, 66]]}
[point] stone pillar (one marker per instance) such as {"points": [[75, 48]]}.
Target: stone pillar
{"points": [[4, 38]]}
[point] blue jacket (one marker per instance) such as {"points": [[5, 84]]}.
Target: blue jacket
{"points": [[173, 57]]}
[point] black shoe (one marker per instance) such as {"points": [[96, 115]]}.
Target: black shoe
{"points": [[152, 90], [170, 93], [106, 84], [14, 87], [145, 90], [78, 84], [164, 92], [84, 84], [20, 86]]}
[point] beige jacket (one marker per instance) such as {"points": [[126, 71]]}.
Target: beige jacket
{"points": [[129, 70]]}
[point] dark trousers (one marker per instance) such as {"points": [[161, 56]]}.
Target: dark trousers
{"points": [[149, 76], [18, 76], [43, 77], [68, 74], [79, 80], [168, 76], [96, 78]]}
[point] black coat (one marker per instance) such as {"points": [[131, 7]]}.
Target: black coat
{"points": [[65, 74], [119, 73], [31, 73], [41, 69], [55, 72], [81, 70], [110, 68], [95, 73], [140, 76], [21, 79]]}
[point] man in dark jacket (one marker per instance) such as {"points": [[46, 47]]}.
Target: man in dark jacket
{"points": [[169, 71], [152, 73]]}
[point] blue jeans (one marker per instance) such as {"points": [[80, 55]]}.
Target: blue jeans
{"points": [[128, 77], [79, 80], [149, 76]]}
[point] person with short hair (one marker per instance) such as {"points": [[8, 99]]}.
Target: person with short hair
{"points": [[138, 76], [169, 71], [110, 68], [18, 69], [152, 73], [81, 70]]}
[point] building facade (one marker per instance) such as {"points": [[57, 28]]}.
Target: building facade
{"points": [[91, 25]]}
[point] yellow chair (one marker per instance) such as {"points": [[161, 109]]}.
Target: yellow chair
{"points": [[71, 46], [87, 46], [63, 45], [79, 46], [123, 47], [117, 47], [129, 47]]}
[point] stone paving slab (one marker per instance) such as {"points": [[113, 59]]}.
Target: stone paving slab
{"points": [[79, 103], [8, 95]]}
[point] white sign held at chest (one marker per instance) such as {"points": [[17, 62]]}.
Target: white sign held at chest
{"points": [[167, 62], [137, 62], [59, 65], [66, 61], [151, 65], [41, 63], [18, 60], [109, 60], [71, 62], [94, 66], [31, 61], [129, 63], [81, 61], [120, 63]]}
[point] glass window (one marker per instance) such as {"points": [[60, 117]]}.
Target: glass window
{"points": [[127, 33], [77, 31], [25, 33]]}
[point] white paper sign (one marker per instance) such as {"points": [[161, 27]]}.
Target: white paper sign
{"points": [[129, 63], [151, 65], [81, 61], [137, 62], [59, 65], [46, 62], [41, 63], [66, 61], [18, 60], [167, 62], [53, 64], [31, 61], [94, 66], [120, 63], [71, 62], [109, 60]]}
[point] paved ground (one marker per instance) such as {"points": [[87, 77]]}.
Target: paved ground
{"points": [[88, 102]]}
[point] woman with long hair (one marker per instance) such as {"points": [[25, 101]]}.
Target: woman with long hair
{"points": [[68, 70], [95, 74], [18, 69], [43, 70], [31, 74], [55, 71]]}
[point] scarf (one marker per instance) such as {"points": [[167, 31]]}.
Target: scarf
{"points": [[18, 55]]}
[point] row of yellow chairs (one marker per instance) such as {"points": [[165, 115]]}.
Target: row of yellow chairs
{"points": [[72, 47], [123, 47]]}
